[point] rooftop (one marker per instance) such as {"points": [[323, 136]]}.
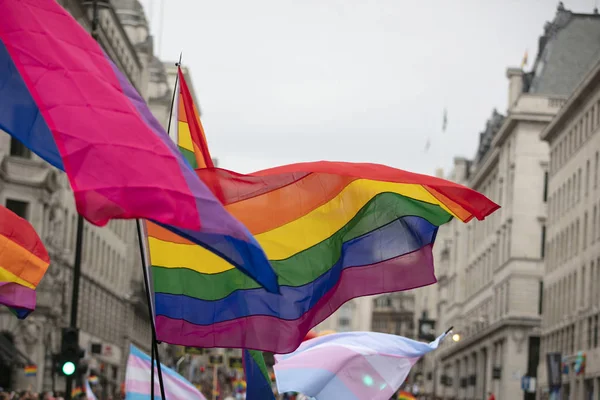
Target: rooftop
{"points": [[568, 49]]}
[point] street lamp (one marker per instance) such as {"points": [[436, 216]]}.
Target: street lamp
{"points": [[456, 337]]}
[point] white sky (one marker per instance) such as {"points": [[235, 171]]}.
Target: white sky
{"points": [[284, 81]]}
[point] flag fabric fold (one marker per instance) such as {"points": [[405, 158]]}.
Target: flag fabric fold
{"points": [[354, 365], [64, 99], [137, 380], [258, 381], [23, 262]]}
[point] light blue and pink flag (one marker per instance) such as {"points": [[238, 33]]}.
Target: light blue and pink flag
{"points": [[350, 366], [137, 380], [89, 394], [65, 100]]}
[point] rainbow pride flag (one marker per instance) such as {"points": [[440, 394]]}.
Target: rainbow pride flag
{"points": [[332, 231], [30, 370], [352, 365], [23, 263], [403, 395], [190, 137], [65, 100]]}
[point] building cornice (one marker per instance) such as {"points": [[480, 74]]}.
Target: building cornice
{"points": [[577, 99], [465, 343], [483, 169]]}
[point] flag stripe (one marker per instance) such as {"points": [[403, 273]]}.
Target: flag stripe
{"points": [[137, 379], [266, 333], [16, 296], [319, 259], [35, 134], [370, 365], [466, 203], [315, 190], [21, 263], [257, 376], [189, 157], [314, 228], [402, 236], [19, 231], [196, 131]]}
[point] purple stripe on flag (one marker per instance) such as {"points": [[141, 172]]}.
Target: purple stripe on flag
{"points": [[276, 335], [16, 296]]}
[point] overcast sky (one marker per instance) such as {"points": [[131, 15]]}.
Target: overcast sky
{"points": [[284, 81]]}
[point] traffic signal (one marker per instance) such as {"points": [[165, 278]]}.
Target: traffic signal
{"points": [[70, 354]]}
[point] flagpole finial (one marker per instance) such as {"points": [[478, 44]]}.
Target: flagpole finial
{"points": [[178, 63], [449, 330]]}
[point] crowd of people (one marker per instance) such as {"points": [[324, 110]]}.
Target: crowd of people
{"points": [[28, 395]]}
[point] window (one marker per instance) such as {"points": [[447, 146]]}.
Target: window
{"points": [[587, 177], [541, 299], [579, 184], [596, 166], [545, 186], [594, 216], [18, 149], [582, 287], [585, 227], [21, 208], [543, 249]]}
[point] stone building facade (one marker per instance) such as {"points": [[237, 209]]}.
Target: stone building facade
{"points": [[572, 275], [393, 313], [112, 307], [491, 280]]}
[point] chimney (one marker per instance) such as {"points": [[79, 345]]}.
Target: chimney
{"points": [[515, 85], [462, 171], [439, 172]]}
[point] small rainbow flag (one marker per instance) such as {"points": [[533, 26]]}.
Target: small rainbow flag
{"points": [[23, 263], [30, 370], [76, 392], [405, 396], [93, 379]]}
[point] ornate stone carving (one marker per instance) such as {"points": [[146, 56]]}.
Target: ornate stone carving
{"points": [[519, 337], [55, 233]]}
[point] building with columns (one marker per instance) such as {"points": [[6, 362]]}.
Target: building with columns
{"points": [[572, 275], [112, 304]]}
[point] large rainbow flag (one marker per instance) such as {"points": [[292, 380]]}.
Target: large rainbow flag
{"points": [[332, 231], [65, 99], [23, 263]]}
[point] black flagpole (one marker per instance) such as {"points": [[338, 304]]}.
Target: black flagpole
{"points": [[154, 352]]}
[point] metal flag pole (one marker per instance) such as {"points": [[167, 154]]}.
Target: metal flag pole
{"points": [[75, 293], [154, 352], [145, 270]]}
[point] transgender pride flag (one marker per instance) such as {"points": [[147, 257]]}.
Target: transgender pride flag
{"points": [[137, 380], [350, 366]]}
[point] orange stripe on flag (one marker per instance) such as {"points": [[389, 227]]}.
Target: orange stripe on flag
{"points": [[21, 263]]}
